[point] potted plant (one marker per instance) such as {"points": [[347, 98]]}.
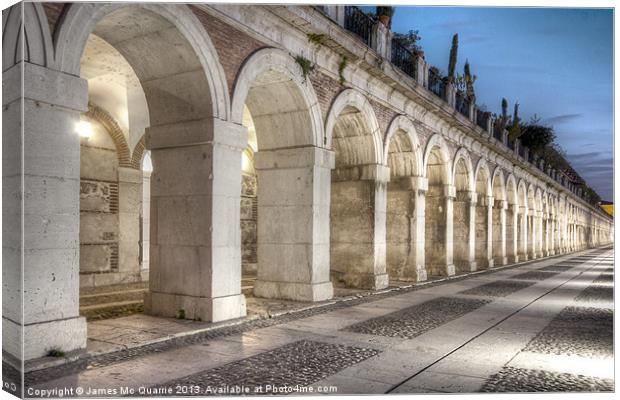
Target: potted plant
{"points": [[385, 14]]}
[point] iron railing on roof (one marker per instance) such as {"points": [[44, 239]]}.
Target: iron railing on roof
{"points": [[511, 144], [499, 133], [462, 104], [436, 84], [358, 22], [522, 151], [404, 59]]}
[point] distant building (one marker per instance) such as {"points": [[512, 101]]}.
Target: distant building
{"points": [[608, 206]]}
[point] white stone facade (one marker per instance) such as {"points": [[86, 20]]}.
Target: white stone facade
{"points": [[359, 182]]}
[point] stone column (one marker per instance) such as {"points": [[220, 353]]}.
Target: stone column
{"points": [[293, 223], [551, 228], [129, 200], [524, 233], [146, 217], [532, 235], [195, 265], [41, 218], [464, 231], [490, 201], [513, 252], [450, 193], [417, 186], [499, 232]]}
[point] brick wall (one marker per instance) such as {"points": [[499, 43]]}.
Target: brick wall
{"points": [[233, 46]]}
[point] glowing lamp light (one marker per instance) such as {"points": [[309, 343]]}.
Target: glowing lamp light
{"points": [[85, 129]]}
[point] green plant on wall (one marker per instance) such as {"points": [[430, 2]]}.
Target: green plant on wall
{"points": [[453, 56], [514, 131], [316, 38], [305, 65], [341, 66], [469, 82]]}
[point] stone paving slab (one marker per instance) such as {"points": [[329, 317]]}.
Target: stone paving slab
{"points": [[429, 382], [511, 379], [595, 367], [414, 321]]}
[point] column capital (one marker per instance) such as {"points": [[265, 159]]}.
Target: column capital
{"points": [[449, 191], [501, 204]]}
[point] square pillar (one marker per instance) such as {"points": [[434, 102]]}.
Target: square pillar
{"points": [[450, 193], [41, 219], [293, 223], [511, 245], [195, 255], [489, 202], [524, 233], [499, 232], [410, 239], [464, 210], [129, 201]]}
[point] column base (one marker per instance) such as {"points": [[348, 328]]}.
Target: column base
{"points": [[513, 259], [195, 308], [443, 270], [523, 257], [294, 290], [67, 335]]}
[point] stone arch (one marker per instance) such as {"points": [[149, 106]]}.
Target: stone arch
{"points": [[194, 47], [138, 153], [281, 113], [271, 73], [351, 111], [402, 134], [122, 148], [402, 154], [358, 200], [30, 34], [499, 222], [484, 216], [523, 231], [440, 195], [463, 179], [436, 146], [512, 214], [188, 103], [463, 171]]}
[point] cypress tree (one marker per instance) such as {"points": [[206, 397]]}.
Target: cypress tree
{"points": [[453, 55]]}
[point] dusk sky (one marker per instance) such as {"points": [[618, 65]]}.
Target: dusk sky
{"points": [[557, 63]]}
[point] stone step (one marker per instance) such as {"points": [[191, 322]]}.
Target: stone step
{"points": [[112, 310], [111, 297]]}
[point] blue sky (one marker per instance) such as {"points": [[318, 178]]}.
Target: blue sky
{"points": [[557, 63]]}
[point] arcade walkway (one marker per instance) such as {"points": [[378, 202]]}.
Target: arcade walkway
{"points": [[541, 326]]}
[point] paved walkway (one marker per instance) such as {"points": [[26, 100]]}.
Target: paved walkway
{"points": [[543, 326]]}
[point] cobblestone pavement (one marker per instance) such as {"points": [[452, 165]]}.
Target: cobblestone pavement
{"points": [[296, 364], [497, 289], [522, 334], [416, 320], [556, 268], [535, 275], [511, 379], [581, 331]]}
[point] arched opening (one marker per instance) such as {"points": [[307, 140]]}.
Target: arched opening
{"points": [[283, 207], [499, 226], [532, 231], [438, 238], [404, 216], [358, 204], [112, 274], [484, 208], [464, 209], [512, 222], [191, 273], [522, 221]]}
